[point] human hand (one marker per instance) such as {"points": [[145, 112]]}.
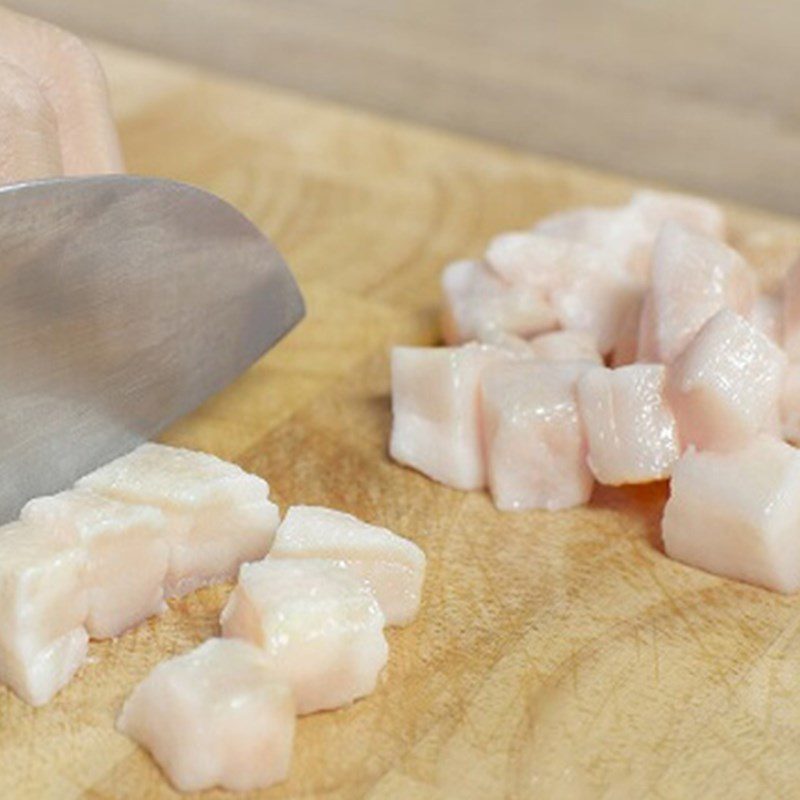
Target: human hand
{"points": [[55, 117]]}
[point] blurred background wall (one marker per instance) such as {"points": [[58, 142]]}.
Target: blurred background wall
{"points": [[699, 93]]}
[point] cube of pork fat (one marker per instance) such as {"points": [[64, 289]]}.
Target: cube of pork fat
{"points": [[42, 638], [216, 716], [393, 566], [218, 516], [564, 346], [477, 302], [535, 445], [737, 514], [693, 277], [627, 233], [626, 343], [436, 426], [632, 434], [725, 387], [127, 555], [319, 624]]}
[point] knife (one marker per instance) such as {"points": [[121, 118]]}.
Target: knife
{"points": [[125, 302]]}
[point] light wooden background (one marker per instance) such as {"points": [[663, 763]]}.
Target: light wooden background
{"points": [[698, 93]]}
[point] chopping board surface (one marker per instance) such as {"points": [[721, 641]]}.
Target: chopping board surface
{"points": [[556, 655]]}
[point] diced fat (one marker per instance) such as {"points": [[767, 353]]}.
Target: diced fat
{"points": [[564, 346], [632, 434], [42, 638], [126, 555], [647, 345], [535, 446], [393, 566], [543, 262], [216, 716], [725, 387], [737, 514], [477, 302], [319, 624], [597, 302], [693, 277], [766, 316], [218, 515], [791, 311], [436, 425], [627, 233], [696, 213], [790, 404]]}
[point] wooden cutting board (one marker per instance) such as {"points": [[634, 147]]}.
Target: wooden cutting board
{"points": [[557, 655]]}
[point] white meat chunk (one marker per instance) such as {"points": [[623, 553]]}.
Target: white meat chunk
{"points": [[725, 387], [393, 566], [319, 624], [218, 515], [436, 425], [737, 514], [126, 555], [42, 638], [631, 432], [216, 716], [535, 445], [564, 346], [695, 213], [693, 277], [626, 344], [477, 302]]}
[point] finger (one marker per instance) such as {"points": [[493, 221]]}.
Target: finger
{"points": [[29, 144], [73, 82]]}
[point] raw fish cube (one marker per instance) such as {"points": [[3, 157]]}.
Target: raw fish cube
{"points": [[694, 213], [319, 624], [626, 344], [218, 515], [632, 434], [42, 638], [693, 277], [536, 449], [216, 716], [436, 427], [477, 302], [725, 387], [737, 514], [565, 346], [126, 554], [393, 566]]}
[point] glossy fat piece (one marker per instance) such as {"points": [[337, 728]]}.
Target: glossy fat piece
{"points": [[216, 716], [565, 346], [477, 302], [218, 515], [632, 434], [726, 386], [42, 638], [535, 445], [126, 555], [393, 566], [766, 316], [436, 425], [790, 404], [737, 514], [319, 624], [693, 278], [626, 344]]}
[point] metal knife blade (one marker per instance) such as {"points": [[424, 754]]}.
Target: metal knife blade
{"points": [[125, 302]]}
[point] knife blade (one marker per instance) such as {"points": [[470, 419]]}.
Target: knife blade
{"points": [[125, 302]]}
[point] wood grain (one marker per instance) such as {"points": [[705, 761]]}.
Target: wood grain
{"points": [[557, 655], [700, 94]]}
